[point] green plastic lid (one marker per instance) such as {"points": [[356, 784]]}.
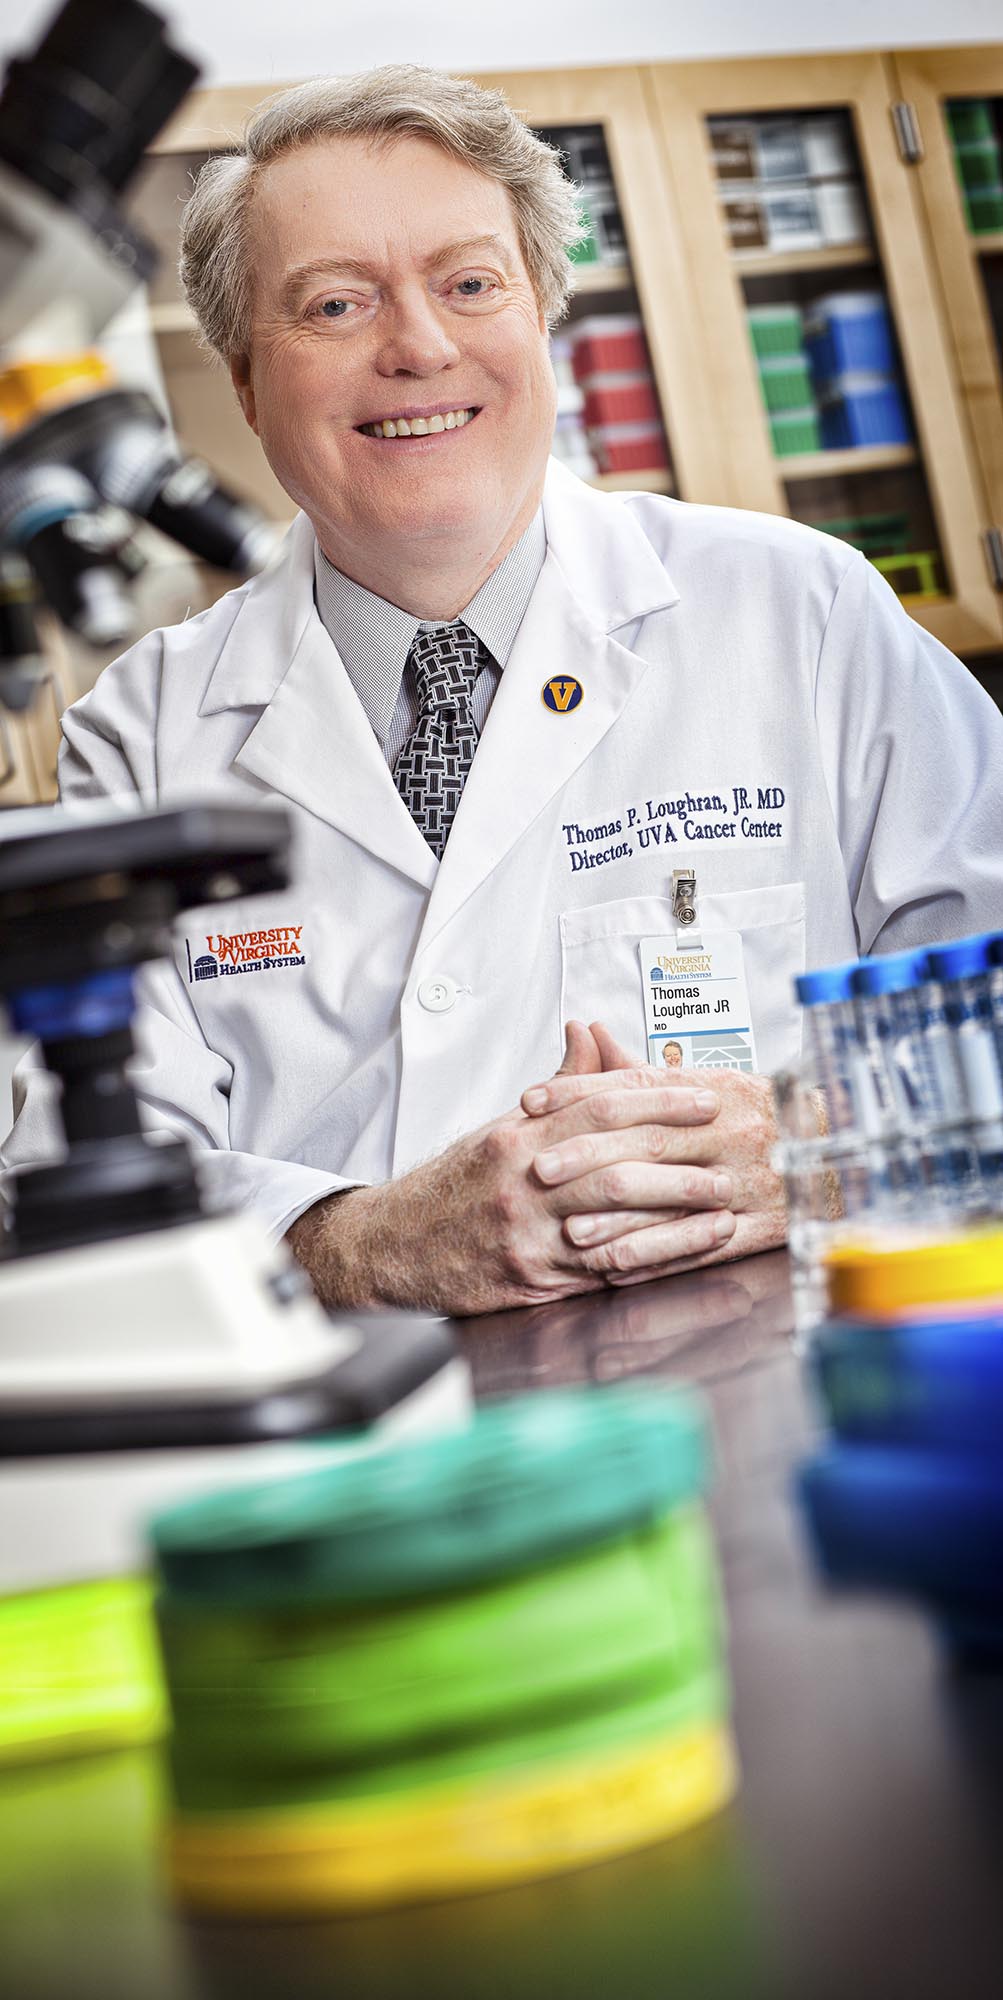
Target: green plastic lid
{"points": [[527, 1481]]}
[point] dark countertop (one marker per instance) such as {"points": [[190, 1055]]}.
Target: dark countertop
{"points": [[862, 1857]]}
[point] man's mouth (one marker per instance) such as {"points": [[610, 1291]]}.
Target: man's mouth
{"points": [[403, 427]]}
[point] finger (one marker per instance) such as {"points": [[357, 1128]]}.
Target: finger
{"points": [[634, 1184], [662, 1125], [564, 1089], [663, 1243], [593, 1229], [581, 1054], [611, 1053]]}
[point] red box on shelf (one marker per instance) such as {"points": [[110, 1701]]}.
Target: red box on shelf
{"points": [[629, 448], [620, 399], [608, 343]]}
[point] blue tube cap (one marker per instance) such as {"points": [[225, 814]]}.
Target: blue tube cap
{"points": [[895, 972], [962, 960], [830, 982]]}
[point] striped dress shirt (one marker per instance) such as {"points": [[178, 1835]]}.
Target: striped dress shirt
{"points": [[374, 637]]}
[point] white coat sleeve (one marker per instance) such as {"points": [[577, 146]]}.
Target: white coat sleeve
{"points": [[183, 1085], [913, 754]]}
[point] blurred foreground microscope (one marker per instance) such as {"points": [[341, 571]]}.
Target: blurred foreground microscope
{"points": [[82, 459], [146, 1347]]}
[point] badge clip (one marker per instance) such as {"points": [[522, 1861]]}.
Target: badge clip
{"points": [[684, 908]]}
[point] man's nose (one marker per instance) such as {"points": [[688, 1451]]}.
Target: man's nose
{"points": [[414, 339]]}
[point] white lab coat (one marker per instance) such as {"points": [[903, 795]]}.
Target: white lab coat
{"points": [[719, 653]]}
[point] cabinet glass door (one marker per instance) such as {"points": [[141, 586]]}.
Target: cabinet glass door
{"points": [[835, 395], [956, 102], [821, 314], [610, 426]]}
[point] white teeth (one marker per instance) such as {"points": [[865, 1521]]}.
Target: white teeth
{"points": [[389, 427]]}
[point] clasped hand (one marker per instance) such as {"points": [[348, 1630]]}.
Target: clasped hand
{"points": [[610, 1173]]}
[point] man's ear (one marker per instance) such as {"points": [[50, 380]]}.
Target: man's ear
{"points": [[240, 376]]}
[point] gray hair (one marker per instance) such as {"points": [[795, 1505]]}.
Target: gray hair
{"points": [[474, 125]]}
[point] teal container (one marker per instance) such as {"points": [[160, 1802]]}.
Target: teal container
{"points": [[775, 329], [786, 382], [794, 431], [970, 118], [979, 163], [984, 208]]}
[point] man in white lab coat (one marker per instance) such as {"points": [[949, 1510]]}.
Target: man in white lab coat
{"points": [[632, 685]]}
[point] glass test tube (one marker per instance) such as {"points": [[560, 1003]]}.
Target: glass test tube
{"points": [[893, 1083], [958, 1033]]}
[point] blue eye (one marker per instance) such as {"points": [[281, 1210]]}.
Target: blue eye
{"points": [[334, 308]]}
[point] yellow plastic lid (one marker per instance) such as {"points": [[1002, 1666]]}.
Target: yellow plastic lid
{"points": [[454, 1840], [908, 1273]]}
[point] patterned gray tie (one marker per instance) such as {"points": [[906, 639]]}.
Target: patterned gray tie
{"points": [[432, 768]]}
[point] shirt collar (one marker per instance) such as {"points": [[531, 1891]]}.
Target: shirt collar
{"points": [[374, 637]]}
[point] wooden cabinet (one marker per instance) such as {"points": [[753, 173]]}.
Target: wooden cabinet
{"points": [[798, 210], [954, 98]]}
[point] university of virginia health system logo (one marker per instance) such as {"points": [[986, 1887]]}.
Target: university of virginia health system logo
{"points": [[246, 951]]}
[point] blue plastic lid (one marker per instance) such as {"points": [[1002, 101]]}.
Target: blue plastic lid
{"points": [[896, 972], [830, 982], [960, 960]]}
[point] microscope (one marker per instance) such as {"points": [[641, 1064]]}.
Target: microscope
{"points": [[148, 1348], [82, 458]]}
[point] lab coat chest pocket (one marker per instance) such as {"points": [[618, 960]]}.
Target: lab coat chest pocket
{"points": [[601, 967]]}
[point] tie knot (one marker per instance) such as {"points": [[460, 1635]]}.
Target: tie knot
{"points": [[446, 660]]}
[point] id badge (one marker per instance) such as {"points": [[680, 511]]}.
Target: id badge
{"points": [[696, 1003]]}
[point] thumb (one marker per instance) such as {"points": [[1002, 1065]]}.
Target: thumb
{"points": [[611, 1054], [581, 1055]]}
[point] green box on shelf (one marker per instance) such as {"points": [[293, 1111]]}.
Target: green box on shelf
{"points": [[873, 534], [587, 251], [970, 118], [984, 208], [775, 329], [979, 163], [786, 380], [794, 431]]}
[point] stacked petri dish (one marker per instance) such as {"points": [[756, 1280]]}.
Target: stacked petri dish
{"points": [[457, 1663], [908, 1495]]}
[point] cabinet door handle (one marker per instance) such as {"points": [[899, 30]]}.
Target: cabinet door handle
{"points": [[992, 542], [7, 760], [907, 132]]}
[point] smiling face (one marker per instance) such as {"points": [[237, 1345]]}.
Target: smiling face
{"points": [[399, 375]]}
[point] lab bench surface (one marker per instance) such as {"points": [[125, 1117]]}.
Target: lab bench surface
{"points": [[861, 1857]]}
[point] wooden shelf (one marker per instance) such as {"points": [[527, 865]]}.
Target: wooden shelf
{"points": [[602, 278], [830, 257], [633, 482], [986, 240], [836, 464]]}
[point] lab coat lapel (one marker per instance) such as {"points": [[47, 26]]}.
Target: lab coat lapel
{"points": [[313, 741], [600, 570]]}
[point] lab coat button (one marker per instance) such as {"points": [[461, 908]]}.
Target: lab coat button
{"points": [[438, 994]]}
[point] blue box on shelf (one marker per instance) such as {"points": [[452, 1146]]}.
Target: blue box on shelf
{"points": [[847, 331], [862, 409]]}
